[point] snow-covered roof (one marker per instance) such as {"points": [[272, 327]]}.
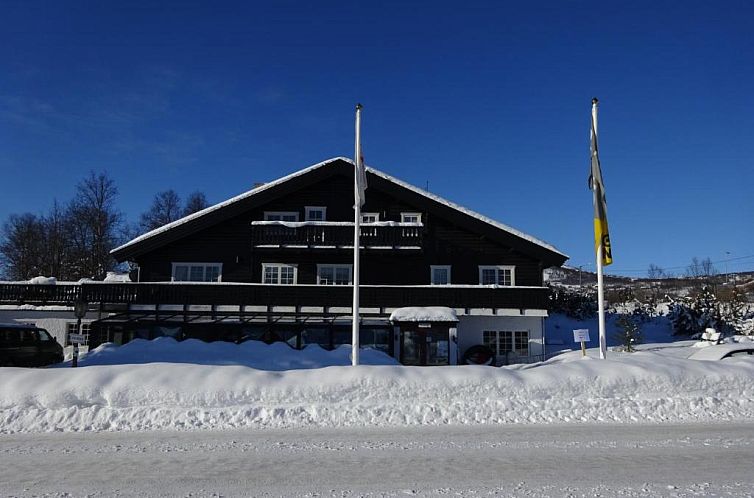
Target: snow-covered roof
{"points": [[424, 314], [371, 170], [223, 204], [464, 210]]}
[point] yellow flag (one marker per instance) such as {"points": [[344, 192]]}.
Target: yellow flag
{"points": [[601, 232]]}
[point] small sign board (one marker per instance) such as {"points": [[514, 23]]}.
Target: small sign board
{"points": [[76, 338], [581, 335]]}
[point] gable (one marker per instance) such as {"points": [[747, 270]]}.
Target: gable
{"points": [[269, 193]]}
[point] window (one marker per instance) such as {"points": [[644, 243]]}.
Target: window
{"points": [[411, 217], [370, 217], [315, 213], [506, 342], [279, 273], [280, 216], [440, 274], [197, 272], [334, 274], [497, 275]]}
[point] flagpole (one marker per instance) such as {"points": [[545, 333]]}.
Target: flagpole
{"points": [[600, 249], [356, 241]]}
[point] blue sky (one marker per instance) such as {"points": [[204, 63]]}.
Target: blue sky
{"points": [[486, 102]]}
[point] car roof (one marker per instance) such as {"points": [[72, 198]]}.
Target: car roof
{"points": [[16, 326], [718, 351]]}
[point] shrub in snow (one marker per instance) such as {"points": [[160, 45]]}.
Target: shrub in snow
{"points": [[692, 315], [628, 332], [580, 304]]}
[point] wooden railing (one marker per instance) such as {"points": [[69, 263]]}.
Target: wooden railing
{"points": [[311, 234], [275, 295]]}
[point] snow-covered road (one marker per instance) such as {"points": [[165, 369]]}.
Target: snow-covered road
{"points": [[551, 460]]}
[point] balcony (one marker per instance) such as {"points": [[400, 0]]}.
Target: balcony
{"points": [[115, 295], [335, 235]]}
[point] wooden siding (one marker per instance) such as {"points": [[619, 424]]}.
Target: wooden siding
{"points": [[445, 241]]}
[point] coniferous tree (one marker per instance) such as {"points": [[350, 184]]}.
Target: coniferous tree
{"points": [[628, 333]]}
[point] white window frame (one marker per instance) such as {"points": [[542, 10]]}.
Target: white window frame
{"points": [[432, 269], [498, 334], [279, 273], [205, 265], [309, 209], [411, 215], [278, 215], [366, 215], [498, 269], [334, 267]]}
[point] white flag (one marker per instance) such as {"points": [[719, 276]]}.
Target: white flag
{"points": [[361, 174]]}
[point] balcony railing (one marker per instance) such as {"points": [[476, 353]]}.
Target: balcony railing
{"points": [[371, 296], [336, 234]]}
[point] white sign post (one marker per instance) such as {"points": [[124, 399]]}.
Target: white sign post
{"points": [[582, 336]]}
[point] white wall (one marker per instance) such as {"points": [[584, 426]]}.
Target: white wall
{"points": [[470, 328], [53, 320]]}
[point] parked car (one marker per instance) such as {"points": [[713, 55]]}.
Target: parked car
{"points": [[722, 351], [27, 346]]}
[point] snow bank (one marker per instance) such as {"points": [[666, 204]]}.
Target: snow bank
{"points": [[255, 354], [423, 314], [627, 388]]}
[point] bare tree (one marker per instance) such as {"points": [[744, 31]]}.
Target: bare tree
{"points": [[701, 268], [655, 272], [708, 269], [21, 246], [196, 202], [56, 247], [93, 226], [166, 208]]}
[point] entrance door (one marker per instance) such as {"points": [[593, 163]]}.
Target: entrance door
{"points": [[425, 345]]}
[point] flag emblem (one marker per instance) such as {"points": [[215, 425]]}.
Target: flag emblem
{"points": [[601, 231]]}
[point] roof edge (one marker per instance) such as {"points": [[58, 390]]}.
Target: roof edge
{"points": [[227, 202], [465, 210]]}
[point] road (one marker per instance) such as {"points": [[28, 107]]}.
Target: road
{"points": [[564, 460]]}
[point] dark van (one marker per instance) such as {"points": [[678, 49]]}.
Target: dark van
{"points": [[27, 346]]}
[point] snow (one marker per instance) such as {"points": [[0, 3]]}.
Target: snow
{"points": [[254, 354], [482, 460], [43, 280], [424, 314], [213, 392], [113, 276]]}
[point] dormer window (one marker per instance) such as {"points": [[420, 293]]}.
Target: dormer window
{"points": [[315, 213], [280, 216], [411, 217], [370, 217]]}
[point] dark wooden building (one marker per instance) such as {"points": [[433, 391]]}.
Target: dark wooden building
{"points": [[276, 262]]}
